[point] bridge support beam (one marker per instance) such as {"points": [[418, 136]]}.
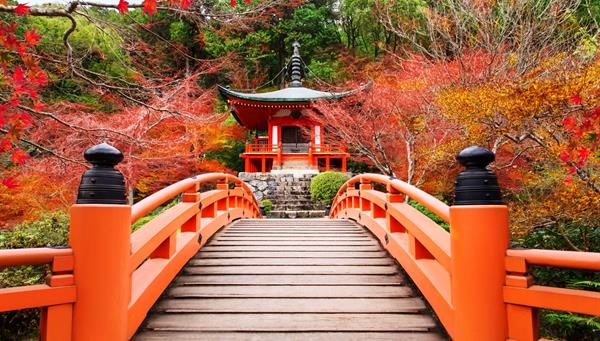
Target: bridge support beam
{"points": [[479, 240]]}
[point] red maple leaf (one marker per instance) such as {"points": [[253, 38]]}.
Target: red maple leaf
{"points": [[18, 156], [18, 75], [22, 9], [123, 6], [583, 153], [5, 145], [232, 3], [569, 122], [564, 156], [31, 39], [576, 100], [10, 183], [248, 1], [185, 3], [149, 7]]}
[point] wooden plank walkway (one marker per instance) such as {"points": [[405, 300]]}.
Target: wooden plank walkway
{"points": [[300, 279]]}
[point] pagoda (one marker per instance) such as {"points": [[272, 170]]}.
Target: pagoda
{"points": [[286, 138]]}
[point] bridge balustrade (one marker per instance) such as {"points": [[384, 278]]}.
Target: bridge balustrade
{"points": [[103, 285], [478, 287]]}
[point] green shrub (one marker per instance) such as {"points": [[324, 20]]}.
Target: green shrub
{"points": [[268, 205], [51, 230], [429, 214], [157, 211], [324, 186]]}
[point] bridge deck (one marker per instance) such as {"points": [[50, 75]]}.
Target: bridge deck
{"points": [[290, 280]]}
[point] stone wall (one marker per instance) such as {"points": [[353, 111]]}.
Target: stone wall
{"points": [[263, 185]]}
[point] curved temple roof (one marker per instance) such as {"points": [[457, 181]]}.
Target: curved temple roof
{"points": [[253, 110], [291, 94]]}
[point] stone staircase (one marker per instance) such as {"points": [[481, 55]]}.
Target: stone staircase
{"points": [[292, 198], [289, 193]]}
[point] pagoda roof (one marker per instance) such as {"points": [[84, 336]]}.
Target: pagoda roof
{"points": [[290, 94], [253, 110]]}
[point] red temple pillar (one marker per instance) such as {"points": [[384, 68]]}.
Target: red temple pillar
{"points": [[344, 166]]}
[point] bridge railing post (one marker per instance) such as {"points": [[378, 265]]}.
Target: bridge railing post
{"points": [[479, 240], [100, 238]]}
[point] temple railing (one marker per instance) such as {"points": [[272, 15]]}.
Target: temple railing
{"points": [[102, 287], [262, 148], [328, 148], [479, 288], [305, 148]]}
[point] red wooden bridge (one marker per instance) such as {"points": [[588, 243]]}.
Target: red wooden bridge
{"points": [[210, 268]]}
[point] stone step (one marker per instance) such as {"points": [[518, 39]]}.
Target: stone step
{"points": [[298, 214]]}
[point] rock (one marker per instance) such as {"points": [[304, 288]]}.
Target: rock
{"points": [[262, 186]]}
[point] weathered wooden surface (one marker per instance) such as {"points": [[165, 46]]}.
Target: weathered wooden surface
{"points": [[290, 280]]}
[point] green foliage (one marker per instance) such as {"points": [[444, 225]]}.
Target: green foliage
{"points": [[364, 34], [324, 186], [229, 152], [181, 32], [329, 70], [71, 91], [268, 205], [429, 214], [51, 230], [268, 46], [570, 326], [101, 46], [148, 217]]}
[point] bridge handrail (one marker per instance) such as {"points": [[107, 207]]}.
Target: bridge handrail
{"points": [[557, 258], [31, 256], [430, 202], [157, 199]]}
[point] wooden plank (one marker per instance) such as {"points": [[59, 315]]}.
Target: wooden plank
{"points": [[292, 305], [289, 270], [291, 322], [291, 261], [297, 336], [287, 254], [291, 291], [211, 247], [297, 230], [294, 234], [327, 243], [290, 280], [292, 238]]}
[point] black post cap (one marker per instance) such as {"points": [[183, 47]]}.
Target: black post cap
{"points": [[102, 184], [476, 185]]}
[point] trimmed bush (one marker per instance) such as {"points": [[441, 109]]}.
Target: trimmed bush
{"points": [[268, 205], [324, 186]]}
